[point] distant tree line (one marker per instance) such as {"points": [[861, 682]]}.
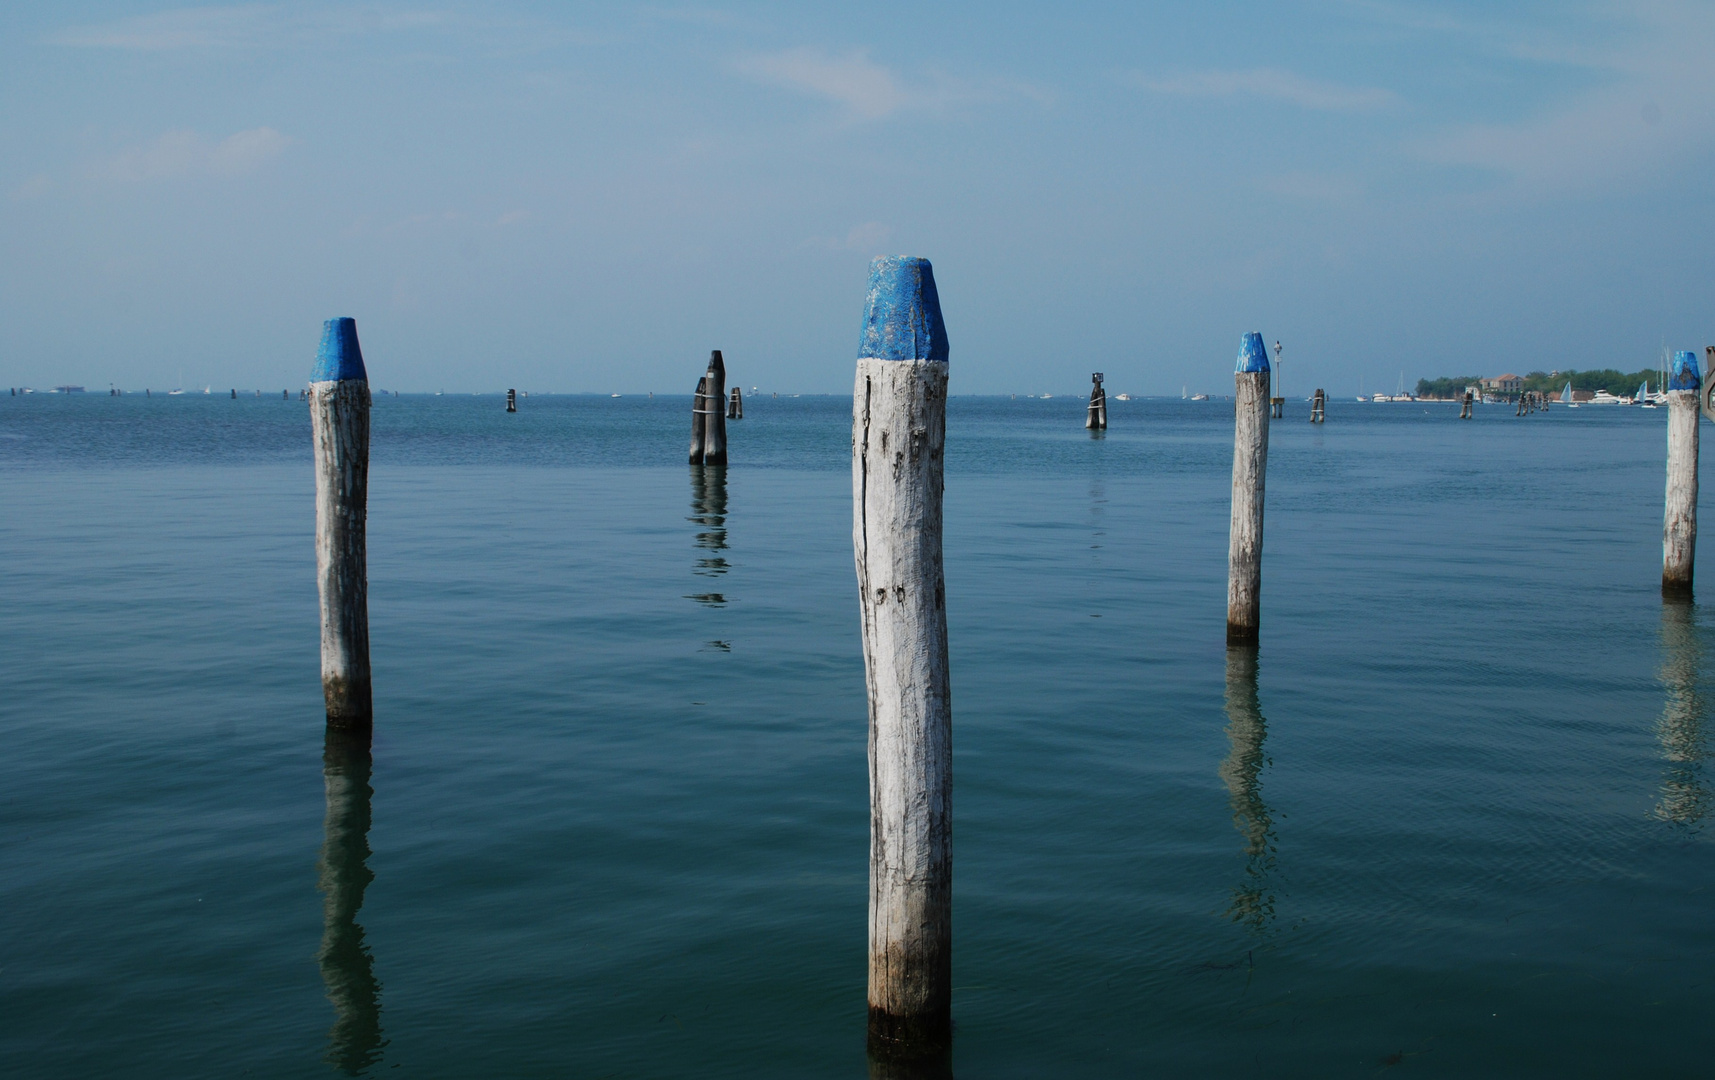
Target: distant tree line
{"points": [[1618, 383]]}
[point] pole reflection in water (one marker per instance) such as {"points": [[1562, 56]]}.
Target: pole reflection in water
{"points": [[1684, 798], [1253, 899], [708, 506], [348, 969]]}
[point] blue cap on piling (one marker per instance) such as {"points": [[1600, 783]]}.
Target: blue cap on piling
{"points": [[902, 318], [1685, 374], [1252, 355], [339, 357]]}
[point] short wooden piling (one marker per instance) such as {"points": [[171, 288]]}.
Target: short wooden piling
{"points": [[714, 421], [699, 417], [339, 420], [1679, 525], [899, 414], [1318, 406], [347, 967], [1465, 406], [511, 401], [735, 407], [1097, 417], [1250, 464]]}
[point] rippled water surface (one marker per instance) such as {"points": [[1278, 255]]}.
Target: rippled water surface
{"points": [[1451, 818]]}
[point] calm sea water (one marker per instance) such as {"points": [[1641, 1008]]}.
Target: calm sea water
{"points": [[1452, 818]]}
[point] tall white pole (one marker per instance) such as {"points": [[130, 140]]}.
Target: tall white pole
{"points": [[1250, 464], [899, 420], [1679, 524], [339, 422]]}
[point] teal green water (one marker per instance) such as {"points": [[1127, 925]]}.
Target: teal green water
{"points": [[1450, 819]]}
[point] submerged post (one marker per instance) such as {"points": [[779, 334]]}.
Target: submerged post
{"points": [[1250, 463], [699, 412], [339, 421], [714, 420], [899, 425], [1679, 525]]}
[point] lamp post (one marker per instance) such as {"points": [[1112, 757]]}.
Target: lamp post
{"points": [[1278, 399]]}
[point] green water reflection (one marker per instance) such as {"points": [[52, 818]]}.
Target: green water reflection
{"points": [[348, 968], [1684, 796], [1241, 771]]}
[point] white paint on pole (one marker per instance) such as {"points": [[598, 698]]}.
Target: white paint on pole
{"points": [[899, 412], [1679, 522], [1250, 466], [339, 423]]}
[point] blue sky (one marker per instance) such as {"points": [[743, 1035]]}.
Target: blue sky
{"points": [[588, 198]]}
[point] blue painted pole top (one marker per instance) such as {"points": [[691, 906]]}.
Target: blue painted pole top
{"points": [[902, 317], [339, 358], [1253, 356], [1686, 375]]}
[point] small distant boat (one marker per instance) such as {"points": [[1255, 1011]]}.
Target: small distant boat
{"points": [[1566, 397], [1045, 397], [174, 393], [1379, 398], [1122, 397], [1643, 397], [1604, 398], [616, 395], [1199, 397]]}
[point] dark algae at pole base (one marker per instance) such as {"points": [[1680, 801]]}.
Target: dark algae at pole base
{"points": [[339, 422], [899, 423]]}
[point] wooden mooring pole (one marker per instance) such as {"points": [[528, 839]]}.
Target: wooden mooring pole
{"points": [[1250, 463], [699, 419], [1318, 406], [1465, 406], [735, 407], [511, 401], [899, 423], [339, 422], [1097, 419], [714, 420], [1679, 525]]}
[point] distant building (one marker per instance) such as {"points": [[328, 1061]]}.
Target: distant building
{"points": [[1504, 384]]}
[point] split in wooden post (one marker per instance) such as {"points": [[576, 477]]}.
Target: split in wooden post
{"points": [[714, 419], [1250, 465], [1679, 523], [339, 420], [899, 424]]}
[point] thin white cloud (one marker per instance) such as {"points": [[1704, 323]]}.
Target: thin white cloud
{"points": [[240, 26], [1651, 111], [868, 90], [1274, 83], [189, 153]]}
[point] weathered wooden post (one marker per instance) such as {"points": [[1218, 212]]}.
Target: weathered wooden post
{"points": [[1097, 418], [735, 407], [348, 968], [511, 401], [339, 421], [714, 420], [699, 414], [1250, 463], [1679, 526], [899, 425], [1465, 406], [1319, 407]]}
